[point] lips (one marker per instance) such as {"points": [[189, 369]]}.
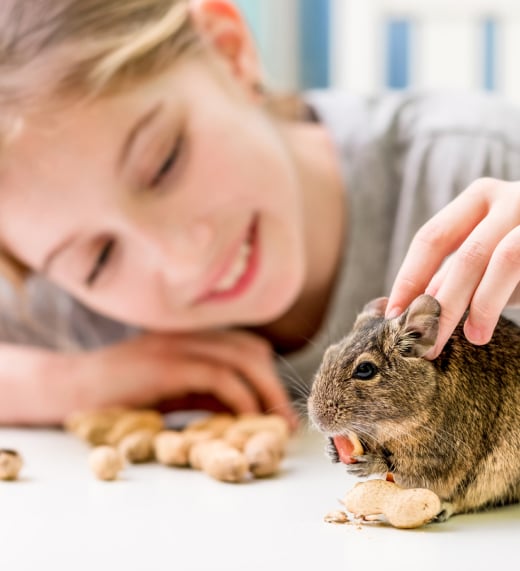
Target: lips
{"points": [[239, 266], [236, 274]]}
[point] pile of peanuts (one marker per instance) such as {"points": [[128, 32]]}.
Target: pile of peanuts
{"points": [[228, 448]]}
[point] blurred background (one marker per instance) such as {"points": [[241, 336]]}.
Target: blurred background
{"points": [[369, 45]]}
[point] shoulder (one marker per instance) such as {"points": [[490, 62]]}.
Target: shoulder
{"points": [[441, 115], [402, 117]]}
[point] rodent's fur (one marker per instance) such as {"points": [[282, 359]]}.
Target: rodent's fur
{"points": [[451, 425]]}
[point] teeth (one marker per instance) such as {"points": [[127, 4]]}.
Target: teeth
{"points": [[236, 271]]}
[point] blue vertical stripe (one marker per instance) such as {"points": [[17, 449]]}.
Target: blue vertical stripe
{"points": [[314, 40], [489, 36], [397, 54]]}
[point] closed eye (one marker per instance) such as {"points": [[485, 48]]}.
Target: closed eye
{"points": [[100, 262], [168, 164]]}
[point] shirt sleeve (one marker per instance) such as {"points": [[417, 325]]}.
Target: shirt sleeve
{"points": [[43, 315]]}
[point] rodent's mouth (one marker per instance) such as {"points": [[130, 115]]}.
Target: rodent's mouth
{"points": [[347, 447]]}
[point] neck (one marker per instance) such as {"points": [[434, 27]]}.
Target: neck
{"points": [[323, 208]]}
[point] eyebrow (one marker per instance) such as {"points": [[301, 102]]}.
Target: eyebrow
{"points": [[130, 139], [141, 123]]}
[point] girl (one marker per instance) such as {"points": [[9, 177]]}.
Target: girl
{"points": [[225, 237]]}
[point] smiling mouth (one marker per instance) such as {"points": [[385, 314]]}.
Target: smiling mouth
{"points": [[236, 271], [240, 274]]}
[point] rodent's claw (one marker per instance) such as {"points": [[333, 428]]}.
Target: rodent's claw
{"points": [[331, 450], [367, 464]]}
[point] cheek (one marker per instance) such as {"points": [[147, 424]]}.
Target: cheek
{"points": [[231, 163], [128, 303]]}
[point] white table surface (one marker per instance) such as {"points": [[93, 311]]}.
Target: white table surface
{"points": [[58, 517]]}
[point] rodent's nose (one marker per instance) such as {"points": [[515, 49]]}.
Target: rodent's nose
{"points": [[323, 413]]}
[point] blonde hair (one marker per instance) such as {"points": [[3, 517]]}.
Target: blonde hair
{"points": [[92, 48], [88, 47]]}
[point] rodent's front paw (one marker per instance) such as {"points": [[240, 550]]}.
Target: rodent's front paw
{"points": [[445, 513], [331, 450], [367, 464]]}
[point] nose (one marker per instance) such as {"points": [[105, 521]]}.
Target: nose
{"points": [[323, 412]]}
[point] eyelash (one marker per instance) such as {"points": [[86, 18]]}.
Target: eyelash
{"points": [[100, 263], [106, 250], [168, 164]]}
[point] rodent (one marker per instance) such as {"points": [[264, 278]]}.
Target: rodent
{"points": [[451, 424]]}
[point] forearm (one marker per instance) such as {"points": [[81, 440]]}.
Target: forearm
{"points": [[37, 386]]}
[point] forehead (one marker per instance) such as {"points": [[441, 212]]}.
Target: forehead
{"points": [[371, 335], [58, 127], [76, 132]]}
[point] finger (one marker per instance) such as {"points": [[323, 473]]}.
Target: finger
{"points": [[202, 377], [264, 377], [466, 269], [436, 282], [514, 300], [252, 358], [433, 242], [496, 287]]}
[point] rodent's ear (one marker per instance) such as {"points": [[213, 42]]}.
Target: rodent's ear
{"points": [[375, 308], [419, 326]]}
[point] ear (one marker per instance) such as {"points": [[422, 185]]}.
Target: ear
{"points": [[373, 309], [376, 307], [419, 326], [222, 25]]}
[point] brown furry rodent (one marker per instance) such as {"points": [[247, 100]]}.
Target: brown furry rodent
{"points": [[451, 425]]}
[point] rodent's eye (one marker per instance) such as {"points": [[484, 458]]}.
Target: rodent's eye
{"points": [[364, 371]]}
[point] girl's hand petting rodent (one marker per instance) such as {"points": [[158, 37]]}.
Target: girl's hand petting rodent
{"points": [[480, 231], [234, 367]]}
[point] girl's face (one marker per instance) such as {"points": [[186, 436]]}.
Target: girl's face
{"points": [[172, 206]]}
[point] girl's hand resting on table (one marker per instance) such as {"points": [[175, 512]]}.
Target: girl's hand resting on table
{"points": [[234, 367], [480, 231]]}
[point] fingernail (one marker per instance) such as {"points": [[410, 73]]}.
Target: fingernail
{"points": [[474, 335], [431, 354], [394, 312]]}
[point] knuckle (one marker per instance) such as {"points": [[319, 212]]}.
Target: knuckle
{"points": [[218, 374], [472, 253], [408, 285], [449, 317], [482, 312], [507, 253], [263, 349], [483, 186], [202, 375], [155, 344], [256, 345], [509, 256], [432, 235]]}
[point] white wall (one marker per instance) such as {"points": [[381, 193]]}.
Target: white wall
{"points": [[446, 43]]}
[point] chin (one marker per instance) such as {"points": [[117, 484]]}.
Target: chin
{"points": [[276, 300]]}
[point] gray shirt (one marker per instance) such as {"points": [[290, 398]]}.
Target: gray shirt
{"points": [[404, 156]]}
